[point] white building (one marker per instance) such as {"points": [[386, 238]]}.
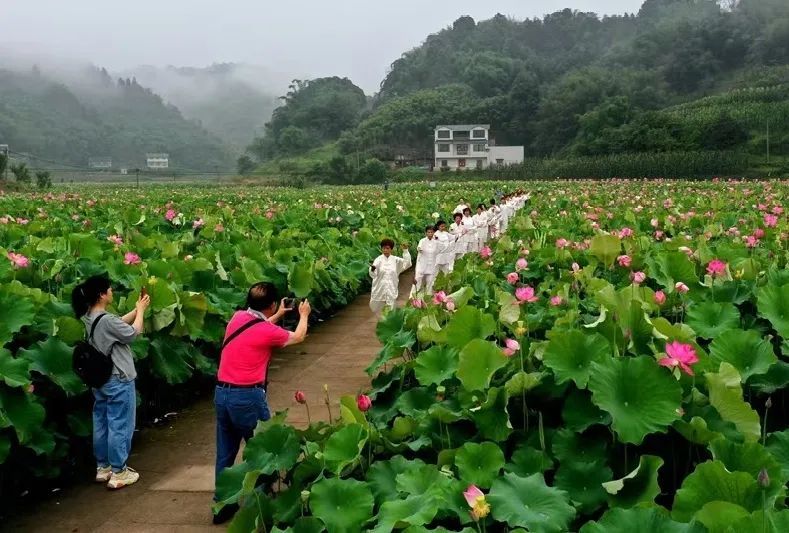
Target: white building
{"points": [[100, 162], [469, 146], [157, 161]]}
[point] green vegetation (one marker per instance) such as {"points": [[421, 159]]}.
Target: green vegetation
{"points": [[67, 125]]}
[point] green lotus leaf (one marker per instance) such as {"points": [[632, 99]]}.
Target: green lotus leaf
{"points": [[52, 358], [522, 382], [528, 502], [415, 402], [412, 511], [726, 397], [287, 506], [163, 317], [718, 517], [711, 482], [191, 316], [479, 360], [5, 448], [696, 431], [423, 480], [479, 464], [429, 331], [14, 371], [570, 355], [762, 522], [569, 446], [746, 351], [775, 379], [509, 310], [344, 447], [526, 461], [773, 304], [436, 365], [579, 413], [670, 267], [468, 324], [605, 248], [21, 411], [162, 294], [461, 296], [300, 278], [171, 359], [391, 323], [710, 319], [492, 418], [381, 477], [69, 329], [641, 520], [640, 396], [584, 483], [343, 505], [778, 446], [750, 457], [663, 329], [306, 524], [638, 487], [274, 449], [15, 313]]}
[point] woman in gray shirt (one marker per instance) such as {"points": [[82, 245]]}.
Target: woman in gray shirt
{"points": [[115, 403]]}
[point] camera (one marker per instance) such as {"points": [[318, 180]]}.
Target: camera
{"points": [[292, 303]]}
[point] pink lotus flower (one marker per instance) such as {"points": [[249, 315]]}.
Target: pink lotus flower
{"points": [[525, 294], [486, 252], [777, 210], [199, 223], [18, 260], [562, 243], [472, 495], [667, 203], [512, 278], [22, 221], [480, 508], [3, 220], [130, 258], [363, 402], [521, 264], [660, 297], [115, 239], [576, 268], [654, 223], [638, 277], [170, 215], [624, 261], [681, 287], [625, 233], [450, 304], [758, 233], [716, 268], [510, 347], [439, 297], [679, 355], [219, 228], [557, 300], [751, 241], [270, 214], [300, 397], [418, 303]]}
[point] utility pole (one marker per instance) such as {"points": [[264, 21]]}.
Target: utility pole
{"points": [[137, 171], [768, 142]]}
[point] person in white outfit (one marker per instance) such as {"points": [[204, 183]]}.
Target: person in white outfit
{"points": [[445, 259], [385, 273], [427, 249], [459, 231], [494, 219], [462, 206], [472, 245], [481, 226]]}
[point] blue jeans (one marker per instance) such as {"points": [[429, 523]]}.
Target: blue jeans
{"points": [[238, 412], [114, 413]]}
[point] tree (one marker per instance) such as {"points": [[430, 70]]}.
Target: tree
{"points": [[245, 165], [21, 172], [43, 179], [373, 171], [3, 165]]}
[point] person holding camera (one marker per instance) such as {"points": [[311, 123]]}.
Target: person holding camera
{"points": [[240, 396]]}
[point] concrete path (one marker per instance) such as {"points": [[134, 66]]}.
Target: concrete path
{"points": [[176, 463]]}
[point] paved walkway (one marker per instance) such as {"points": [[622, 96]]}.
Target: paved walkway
{"points": [[176, 463]]}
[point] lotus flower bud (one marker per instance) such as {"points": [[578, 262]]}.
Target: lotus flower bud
{"points": [[440, 393], [763, 478], [305, 496]]}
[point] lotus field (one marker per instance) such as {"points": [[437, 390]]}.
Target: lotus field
{"points": [[616, 362]]}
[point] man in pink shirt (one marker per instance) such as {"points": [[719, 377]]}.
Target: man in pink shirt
{"points": [[240, 396]]}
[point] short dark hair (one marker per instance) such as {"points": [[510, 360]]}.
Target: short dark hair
{"points": [[387, 242], [428, 228], [87, 293], [439, 222], [467, 209], [457, 215], [262, 295]]}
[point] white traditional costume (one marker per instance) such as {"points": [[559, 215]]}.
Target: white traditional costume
{"points": [[445, 258], [386, 280], [481, 229], [426, 263]]}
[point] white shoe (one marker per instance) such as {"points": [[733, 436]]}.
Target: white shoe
{"points": [[104, 474], [127, 477]]}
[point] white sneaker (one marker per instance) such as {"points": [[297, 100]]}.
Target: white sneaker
{"points": [[127, 477], [103, 475]]}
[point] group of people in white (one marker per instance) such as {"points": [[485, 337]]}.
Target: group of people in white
{"points": [[441, 246]]}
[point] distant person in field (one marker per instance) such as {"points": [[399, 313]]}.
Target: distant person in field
{"points": [[427, 252], [445, 258], [240, 397], [385, 273], [115, 403]]}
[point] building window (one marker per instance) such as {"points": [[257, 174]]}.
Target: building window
{"points": [[444, 163], [479, 147], [479, 163], [462, 149], [500, 162], [443, 134], [478, 134], [462, 163], [443, 148]]}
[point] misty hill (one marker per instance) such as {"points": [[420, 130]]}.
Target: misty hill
{"points": [[575, 83], [231, 100], [93, 115]]}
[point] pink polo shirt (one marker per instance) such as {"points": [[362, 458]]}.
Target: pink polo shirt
{"points": [[245, 359]]}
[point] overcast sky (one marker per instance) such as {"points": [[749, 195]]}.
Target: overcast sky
{"points": [[354, 38]]}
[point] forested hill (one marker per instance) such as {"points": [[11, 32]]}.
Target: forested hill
{"points": [[94, 115], [575, 83]]}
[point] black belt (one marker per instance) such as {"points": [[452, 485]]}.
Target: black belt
{"points": [[234, 386]]}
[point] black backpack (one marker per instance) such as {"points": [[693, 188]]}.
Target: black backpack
{"points": [[93, 367]]}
